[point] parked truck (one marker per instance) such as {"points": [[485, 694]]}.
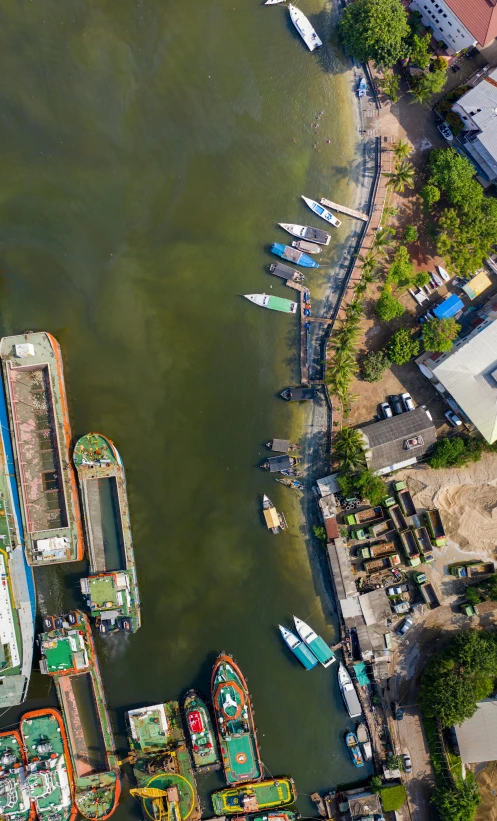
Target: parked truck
{"points": [[374, 565], [382, 549], [380, 529], [472, 571], [424, 543], [429, 595], [435, 526], [397, 518], [404, 499], [410, 547]]}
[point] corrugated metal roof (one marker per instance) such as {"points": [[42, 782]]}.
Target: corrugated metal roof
{"points": [[466, 374], [479, 17], [480, 103], [449, 307], [386, 438], [477, 285], [477, 737], [341, 569]]}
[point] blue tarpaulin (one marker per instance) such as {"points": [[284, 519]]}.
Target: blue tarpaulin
{"points": [[449, 307]]}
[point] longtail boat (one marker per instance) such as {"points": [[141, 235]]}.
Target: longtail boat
{"points": [[235, 722]]}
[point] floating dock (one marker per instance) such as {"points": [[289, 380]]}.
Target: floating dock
{"points": [[344, 210]]}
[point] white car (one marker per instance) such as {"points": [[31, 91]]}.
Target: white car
{"points": [[406, 760], [445, 132], [452, 419], [396, 591], [407, 400], [386, 410]]}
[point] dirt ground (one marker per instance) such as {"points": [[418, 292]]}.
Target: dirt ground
{"points": [[487, 782]]}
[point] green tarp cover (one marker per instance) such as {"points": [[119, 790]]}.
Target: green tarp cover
{"points": [[362, 676]]}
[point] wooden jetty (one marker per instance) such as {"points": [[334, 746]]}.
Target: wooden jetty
{"points": [[344, 210]]}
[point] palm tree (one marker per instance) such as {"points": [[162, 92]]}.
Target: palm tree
{"points": [[348, 446], [383, 239], [402, 176], [401, 149], [390, 211]]}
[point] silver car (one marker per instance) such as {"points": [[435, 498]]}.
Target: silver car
{"points": [[445, 132], [386, 410], [406, 760], [407, 400]]}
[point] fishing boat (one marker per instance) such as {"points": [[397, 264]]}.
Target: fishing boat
{"points": [[315, 643], [306, 247], [293, 255], [362, 88], [274, 303], [15, 803], [348, 691], [319, 803], [273, 2], [235, 723], [201, 731], [276, 464], [111, 590], [49, 779], [299, 394], [304, 28], [363, 739], [322, 212], [298, 648], [248, 798], [294, 484], [286, 273], [281, 445], [68, 655], [306, 232], [354, 749], [39, 421], [275, 521], [289, 472], [161, 761]]}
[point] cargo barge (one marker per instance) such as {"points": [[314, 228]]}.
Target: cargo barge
{"points": [[68, 655], [161, 761], [15, 804], [111, 590], [39, 421]]}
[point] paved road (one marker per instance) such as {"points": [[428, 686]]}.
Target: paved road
{"points": [[420, 784]]}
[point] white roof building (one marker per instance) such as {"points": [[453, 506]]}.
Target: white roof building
{"points": [[478, 112], [477, 737], [469, 373]]}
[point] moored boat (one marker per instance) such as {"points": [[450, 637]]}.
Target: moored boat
{"points": [[281, 445], [273, 2], [111, 590], [201, 731], [306, 232], [286, 273], [235, 723], [319, 802], [298, 394], [306, 247], [294, 484], [274, 815], [274, 303], [362, 88], [248, 798], [49, 779], [276, 464], [275, 521], [15, 804], [293, 255], [322, 212], [304, 28], [363, 739], [298, 648], [443, 273], [316, 644], [349, 693], [354, 749]]}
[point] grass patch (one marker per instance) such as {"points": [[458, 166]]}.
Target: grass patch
{"points": [[393, 797], [436, 755], [455, 765]]}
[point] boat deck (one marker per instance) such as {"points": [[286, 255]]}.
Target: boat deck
{"points": [[242, 757]]}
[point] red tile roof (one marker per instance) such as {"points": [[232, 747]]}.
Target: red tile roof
{"points": [[479, 17]]}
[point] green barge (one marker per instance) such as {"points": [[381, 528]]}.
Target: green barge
{"points": [[111, 590], [68, 655], [249, 798], [161, 759]]}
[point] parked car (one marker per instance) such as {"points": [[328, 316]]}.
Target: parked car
{"points": [[407, 400], [396, 591], [471, 53], [455, 68], [405, 626], [452, 419], [396, 403], [398, 711], [445, 132], [406, 760], [386, 410]]}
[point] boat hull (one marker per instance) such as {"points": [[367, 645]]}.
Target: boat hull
{"points": [[322, 212], [315, 643], [304, 28], [299, 649], [36, 726], [293, 255], [273, 792], [201, 733], [349, 694], [354, 750], [15, 804]]}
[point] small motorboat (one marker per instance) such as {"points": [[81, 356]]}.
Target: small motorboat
{"points": [[281, 445], [298, 648], [307, 247], [275, 521], [273, 2], [304, 28], [315, 643], [289, 472], [362, 88], [354, 749], [298, 394], [293, 255], [322, 212], [293, 484], [443, 273], [320, 805], [274, 303], [277, 464], [306, 232], [363, 739]]}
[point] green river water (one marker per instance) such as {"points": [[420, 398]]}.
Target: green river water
{"points": [[148, 151]]}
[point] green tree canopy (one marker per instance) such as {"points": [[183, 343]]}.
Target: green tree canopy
{"points": [[371, 487], [374, 365], [375, 30], [419, 51], [401, 269], [430, 194], [457, 803], [388, 307], [402, 347], [410, 233], [422, 278], [467, 235], [456, 451], [348, 447], [452, 174], [427, 84], [402, 176], [439, 334], [459, 676], [390, 85]]}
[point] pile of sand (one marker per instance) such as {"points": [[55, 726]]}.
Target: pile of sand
{"points": [[487, 782], [466, 498]]}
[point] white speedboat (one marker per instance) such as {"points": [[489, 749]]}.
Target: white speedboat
{"points": [[274, 303], [322, 212], [306, 232], [323, 653], [348, 691], [273, 2], [443, 273], [304, 28]]}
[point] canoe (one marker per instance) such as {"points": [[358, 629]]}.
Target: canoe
{"points": [[315, 643], [306, 232], [304, 28], [293, 255], [298, 648], [274, 303], [322, 212]]}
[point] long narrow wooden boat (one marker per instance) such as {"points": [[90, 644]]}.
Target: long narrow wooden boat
{"points": [[235, 722], [274, 303], [354, 749], [275, 521]]}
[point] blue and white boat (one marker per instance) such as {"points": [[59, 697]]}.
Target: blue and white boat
{"points": [[322, 212], [315, 643], [362, 88], [293, 255], [298, 648], [354, 749]]}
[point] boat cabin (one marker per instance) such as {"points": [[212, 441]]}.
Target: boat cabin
{"points": [[277, 463]]}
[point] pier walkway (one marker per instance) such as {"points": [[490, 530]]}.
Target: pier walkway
{"points": [[344, 210]]}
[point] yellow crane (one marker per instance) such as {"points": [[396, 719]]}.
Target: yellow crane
{"points": [[167, 810]]}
